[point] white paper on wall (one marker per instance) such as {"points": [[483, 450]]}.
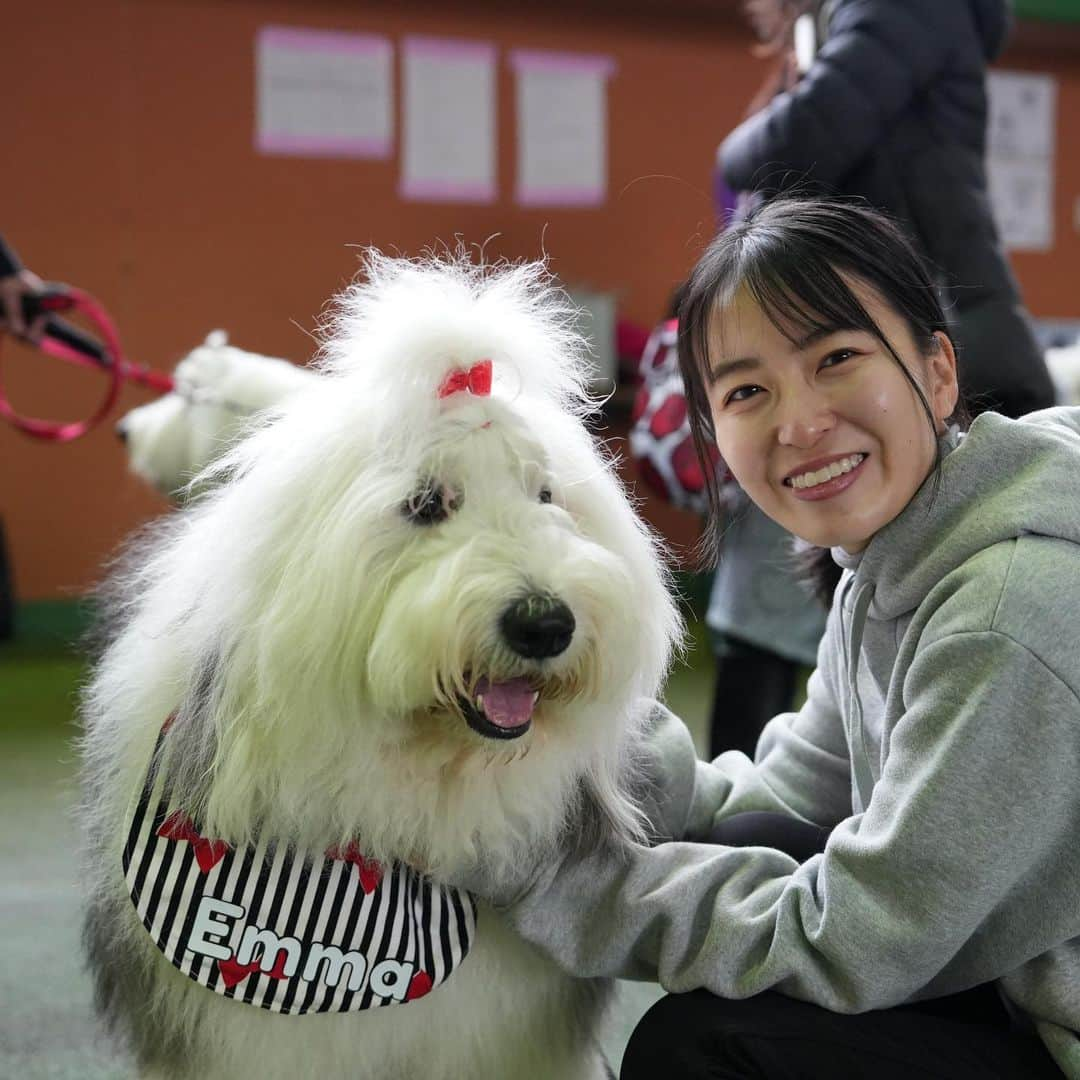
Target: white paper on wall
{"points": [[1020, 157], [323, 94], [1022, 194], [561, 128], [448, 139]]}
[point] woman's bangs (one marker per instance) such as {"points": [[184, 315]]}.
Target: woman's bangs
{"points": [[803, 298]]}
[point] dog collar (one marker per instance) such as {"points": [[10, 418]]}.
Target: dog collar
{"points": [[288, 930]]}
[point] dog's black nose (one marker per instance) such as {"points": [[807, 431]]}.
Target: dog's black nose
{"points": [[121, 432], [537, 626]]}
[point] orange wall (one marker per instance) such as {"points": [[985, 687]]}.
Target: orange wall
{"points": [[130, 171]]}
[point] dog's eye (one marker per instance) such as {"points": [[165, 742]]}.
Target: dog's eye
{"points": [[545, 495], [431, 503]]}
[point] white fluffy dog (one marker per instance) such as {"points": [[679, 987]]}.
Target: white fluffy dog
{"points": [[406, 636], [218, 388]]}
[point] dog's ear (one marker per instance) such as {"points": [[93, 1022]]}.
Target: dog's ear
{"points": [[216, 339]]}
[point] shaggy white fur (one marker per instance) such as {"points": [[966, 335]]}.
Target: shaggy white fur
{"points": [[323, 621], [218, 388]]}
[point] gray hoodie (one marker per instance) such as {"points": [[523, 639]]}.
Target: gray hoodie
{"points": [[940, 739]]}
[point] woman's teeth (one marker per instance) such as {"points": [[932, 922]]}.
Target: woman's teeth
{"points": [[837, 468]]}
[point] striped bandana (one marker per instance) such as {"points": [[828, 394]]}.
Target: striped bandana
{"points": [[288, 930]]}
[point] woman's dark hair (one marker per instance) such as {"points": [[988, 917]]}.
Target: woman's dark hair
{"points": [[792, 257]]}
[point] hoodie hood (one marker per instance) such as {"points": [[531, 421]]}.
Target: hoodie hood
{"points": [[1003, 479], [993, 20]]}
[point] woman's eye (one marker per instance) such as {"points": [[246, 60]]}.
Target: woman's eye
{"points": [[545, 495], [741, 393], [837, 357], [430, 504]]}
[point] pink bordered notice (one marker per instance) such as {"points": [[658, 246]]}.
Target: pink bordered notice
{"points": [[323, 94], [561, 127], [448, 129]]}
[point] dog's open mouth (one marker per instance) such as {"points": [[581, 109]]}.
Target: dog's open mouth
{"points": [[500, 710]]}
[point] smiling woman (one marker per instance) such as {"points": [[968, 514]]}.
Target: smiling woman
{"points": [[804, 348], [899, 857], [829, 438]]}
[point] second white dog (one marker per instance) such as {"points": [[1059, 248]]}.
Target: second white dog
{"points": [[407, 637], [218, 389]]}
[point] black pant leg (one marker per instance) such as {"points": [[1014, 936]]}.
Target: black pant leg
{"points": [[752, 686], [772, 1037]]}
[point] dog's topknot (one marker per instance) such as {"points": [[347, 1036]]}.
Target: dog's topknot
{"points": [[407, 322]]}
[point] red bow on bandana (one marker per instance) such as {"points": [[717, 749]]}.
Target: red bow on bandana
{"points": [[370, 871], [233, 972], [475, 380], [178, 826]]}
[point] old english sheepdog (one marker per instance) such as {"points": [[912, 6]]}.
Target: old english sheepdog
{"points": [[218, 389], [405, 634]]}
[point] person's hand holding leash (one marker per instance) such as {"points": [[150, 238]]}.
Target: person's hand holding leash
{"points": [[14, 288]]}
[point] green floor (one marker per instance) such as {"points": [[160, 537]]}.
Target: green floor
{"points": [[47, 1029], [46, 1025]]}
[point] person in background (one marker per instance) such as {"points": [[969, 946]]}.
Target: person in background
{"points": [[764, 624], [891, 106], [17, 282]]}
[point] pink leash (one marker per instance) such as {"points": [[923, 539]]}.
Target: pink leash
{"points": [[66, 343]]}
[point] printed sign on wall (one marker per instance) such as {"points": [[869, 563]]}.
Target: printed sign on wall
{"points": [[448, 142], [1020, 161], [323, 94], [561, 128]]}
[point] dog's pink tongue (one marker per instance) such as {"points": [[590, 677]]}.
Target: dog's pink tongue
{"points": [[506, 704]]}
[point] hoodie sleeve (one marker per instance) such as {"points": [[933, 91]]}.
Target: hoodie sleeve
{"points": [[877, 58], [801, 766], [963, 867], [802, 771]]}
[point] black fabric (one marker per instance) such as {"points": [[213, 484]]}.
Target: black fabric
{"points": [[894, 110], [9, 261], [751, 687], [772, 1037], [758, 828], [993, 20]]}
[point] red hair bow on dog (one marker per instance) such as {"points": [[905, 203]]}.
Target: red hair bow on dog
{"points": [[475, 380]]}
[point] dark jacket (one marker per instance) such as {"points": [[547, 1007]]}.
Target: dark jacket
{"points": [[893, 109]]}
